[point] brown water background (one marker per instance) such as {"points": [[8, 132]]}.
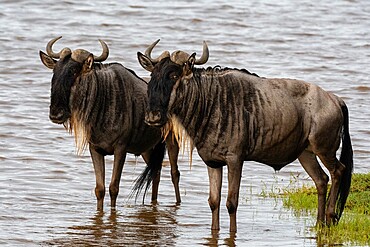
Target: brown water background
{"points": [[46, 190]]}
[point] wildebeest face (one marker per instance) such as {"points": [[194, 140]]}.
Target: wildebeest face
{"points": [[162, 88], [66, 70], [168, 73]]}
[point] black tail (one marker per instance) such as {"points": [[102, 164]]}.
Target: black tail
{"points": [[153, 167], [346, 158]]}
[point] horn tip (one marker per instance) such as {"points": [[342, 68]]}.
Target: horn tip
{"points": [[205, 44], [102, 41]]}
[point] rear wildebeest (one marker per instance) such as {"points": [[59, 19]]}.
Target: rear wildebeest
{"points": [[104, 105], [234, 116]]}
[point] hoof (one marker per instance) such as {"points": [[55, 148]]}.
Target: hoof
{"points": [[332, 219]]}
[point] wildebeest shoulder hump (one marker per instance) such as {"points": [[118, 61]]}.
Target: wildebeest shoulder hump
{"points": [[218, 68]]}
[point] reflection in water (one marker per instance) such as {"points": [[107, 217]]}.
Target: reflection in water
{"points": [[231, 240], [216, 240], [148, 224]]}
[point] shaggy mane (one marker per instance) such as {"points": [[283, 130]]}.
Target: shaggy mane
{"points": [[99, 66], [77, 128], [219, 69], [179, 134]]}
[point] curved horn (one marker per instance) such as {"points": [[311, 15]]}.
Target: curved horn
{"points": [[205, 55], [148, 53], [49, 49], [104, 54]]}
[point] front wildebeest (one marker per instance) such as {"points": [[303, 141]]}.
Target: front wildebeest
{"points": [[104, 105], [234, 116]]}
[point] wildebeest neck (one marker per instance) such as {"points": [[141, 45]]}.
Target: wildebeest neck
{"points": [[107, 95], [206, 103]]}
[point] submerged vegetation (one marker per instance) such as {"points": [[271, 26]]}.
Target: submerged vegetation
{"points": [[354, 226]]}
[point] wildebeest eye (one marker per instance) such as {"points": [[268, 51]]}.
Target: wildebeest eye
{"points": [[174, 76]]}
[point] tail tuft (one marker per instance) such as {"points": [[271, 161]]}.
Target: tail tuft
{"points": [[346, 158], [153, 167]]}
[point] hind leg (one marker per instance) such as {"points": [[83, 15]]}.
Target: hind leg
{"points": [[173, 153], [336, 170], [314, 170]]}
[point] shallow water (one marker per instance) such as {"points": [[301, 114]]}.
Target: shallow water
{"points": [[46, 190]]}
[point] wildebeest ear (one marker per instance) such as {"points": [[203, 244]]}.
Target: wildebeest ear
{"points": [[88, 64], [187, 71], [90, 61], [188, 66], [47, 60], [145, 62], [191, 61]]}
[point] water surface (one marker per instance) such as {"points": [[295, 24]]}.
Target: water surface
{"points": [[47, 191]]}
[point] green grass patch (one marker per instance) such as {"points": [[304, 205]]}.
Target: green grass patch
{"points": [[354, 225]]}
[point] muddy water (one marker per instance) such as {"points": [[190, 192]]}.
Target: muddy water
{"points": [[46, 190]]}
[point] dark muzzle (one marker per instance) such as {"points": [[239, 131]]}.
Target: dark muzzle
{"points": [[58, 117], [154, 118]]}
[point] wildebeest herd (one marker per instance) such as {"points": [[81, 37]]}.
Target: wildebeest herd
{"points": [[231, 116]]}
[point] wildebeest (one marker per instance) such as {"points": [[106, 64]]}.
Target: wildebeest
{"points": [[234, 116], [104, 105]]}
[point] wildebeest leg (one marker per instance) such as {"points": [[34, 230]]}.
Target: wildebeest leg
{"points": [[173, 152], [99, 167], [119, 160], [336, 170], [215, 183], [234, 177], [313, 168]]}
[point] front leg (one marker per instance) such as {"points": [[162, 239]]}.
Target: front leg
{"points": [[234, 177], [173, 153], [119, 160], [99, 168], [215, 183]]}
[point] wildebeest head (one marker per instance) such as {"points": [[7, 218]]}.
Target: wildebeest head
{"points": [[67, 69], [167, 73]]}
